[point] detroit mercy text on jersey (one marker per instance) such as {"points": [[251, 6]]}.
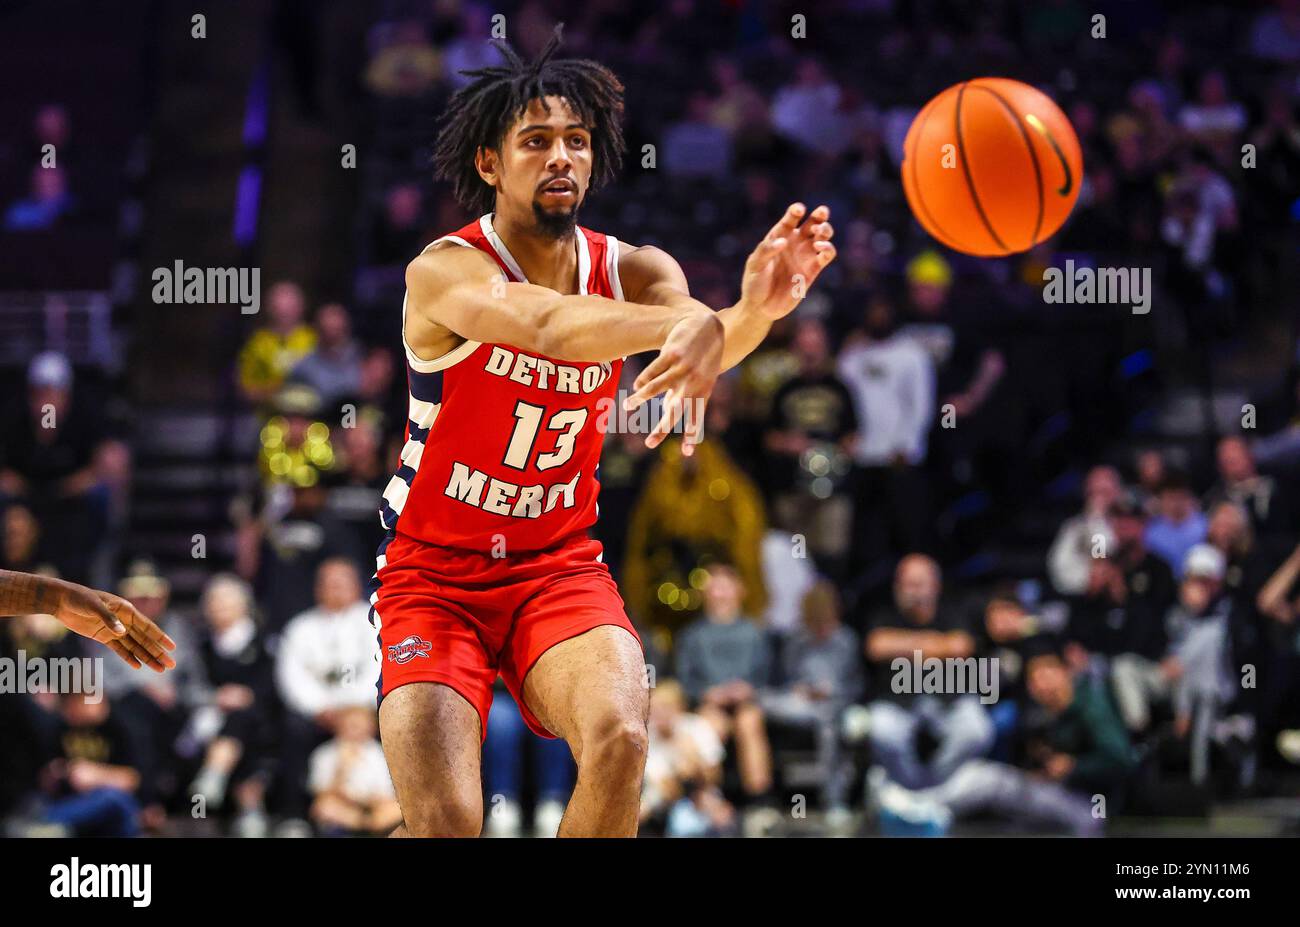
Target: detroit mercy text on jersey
{"points": [[503, 444]]}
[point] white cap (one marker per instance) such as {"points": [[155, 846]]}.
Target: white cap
{"points": [[1204, 561]]}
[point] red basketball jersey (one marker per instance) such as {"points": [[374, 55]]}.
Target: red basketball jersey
{"points": [[503, 444]]}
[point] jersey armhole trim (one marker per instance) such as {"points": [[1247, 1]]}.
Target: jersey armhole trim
{"points": [[611, 261], [456, 354]]}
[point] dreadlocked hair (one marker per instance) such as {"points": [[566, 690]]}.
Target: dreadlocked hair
{"points": [[480, 113]]}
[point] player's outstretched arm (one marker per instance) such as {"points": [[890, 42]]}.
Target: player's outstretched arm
{"points": [[100, 616], [776, 277], [462, 291]]}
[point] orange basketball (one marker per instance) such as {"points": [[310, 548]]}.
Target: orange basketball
{"points": [[991, 166]]}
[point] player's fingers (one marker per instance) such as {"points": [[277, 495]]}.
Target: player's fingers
{"points": [[823, 231], [694, 424], [825, 252], [153, 656], [138, 650], [142, 627], [652, 389], [159, 658], [117, 647], [672, 412], [815, 218], [794, 214], [767, 249], [653, 372]]}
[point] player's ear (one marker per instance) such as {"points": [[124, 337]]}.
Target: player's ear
{"points": [[487, 163]]}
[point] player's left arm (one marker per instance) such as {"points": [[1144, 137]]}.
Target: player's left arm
{"points": [[777, 275]]}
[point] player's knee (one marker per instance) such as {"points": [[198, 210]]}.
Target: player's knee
{"points": [[617, 742], [443, 818]]}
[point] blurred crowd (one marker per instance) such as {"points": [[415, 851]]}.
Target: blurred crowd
{"points": [[924, 462]]}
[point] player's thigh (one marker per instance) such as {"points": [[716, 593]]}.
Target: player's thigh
{"points": [[573, 659], [431, 737], [590, 686]]}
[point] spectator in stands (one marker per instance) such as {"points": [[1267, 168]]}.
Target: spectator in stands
{"points": [[1010, 634], [1129, 590], [355, 487], [891, 379], [352, 792], [811, 433], [1193, 677], [1200, 212], [740, 110], [696, 147], [821, 674], [402, 63], [722, 662], [155, 708], [805, 112], [58, 457], [968, 369], [683, 771], [47, 203], [326, 662], [920, 738], [1214, 120], [1150, 466], [471, 49], [692, 509], [1279, 720], [1077, 750], [92, 780], [333, 367], [273, 349], [1264, 500], [508, 738], [789, 574], [234, 727], [399, 229], [1179, 524], [1086, 536], [1250, 560], [20, 539]]}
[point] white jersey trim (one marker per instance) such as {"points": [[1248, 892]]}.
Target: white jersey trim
{"points": [[508, 259], [611, 266], [456, 354]]}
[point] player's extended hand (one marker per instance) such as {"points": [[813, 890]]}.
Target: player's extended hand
{"points": [[116, 623], [786, 262], [685, 371]]}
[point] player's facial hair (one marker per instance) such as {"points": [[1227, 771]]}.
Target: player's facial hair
{"points": [[555, 225]]}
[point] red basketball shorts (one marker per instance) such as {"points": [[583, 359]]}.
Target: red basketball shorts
{"points": [[461, 618]]}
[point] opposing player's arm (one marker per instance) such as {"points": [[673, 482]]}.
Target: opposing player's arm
{"points": [[100, 616], [462, 291]]}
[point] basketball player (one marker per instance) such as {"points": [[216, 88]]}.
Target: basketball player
{"points": [[515, 328], [100, 616]]}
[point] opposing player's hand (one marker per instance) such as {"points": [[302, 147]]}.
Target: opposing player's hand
{"points": [[685, 371], [115, 623], [786, 262]]}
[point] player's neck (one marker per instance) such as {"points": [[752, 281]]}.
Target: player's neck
{"points": [[545, 261]]}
